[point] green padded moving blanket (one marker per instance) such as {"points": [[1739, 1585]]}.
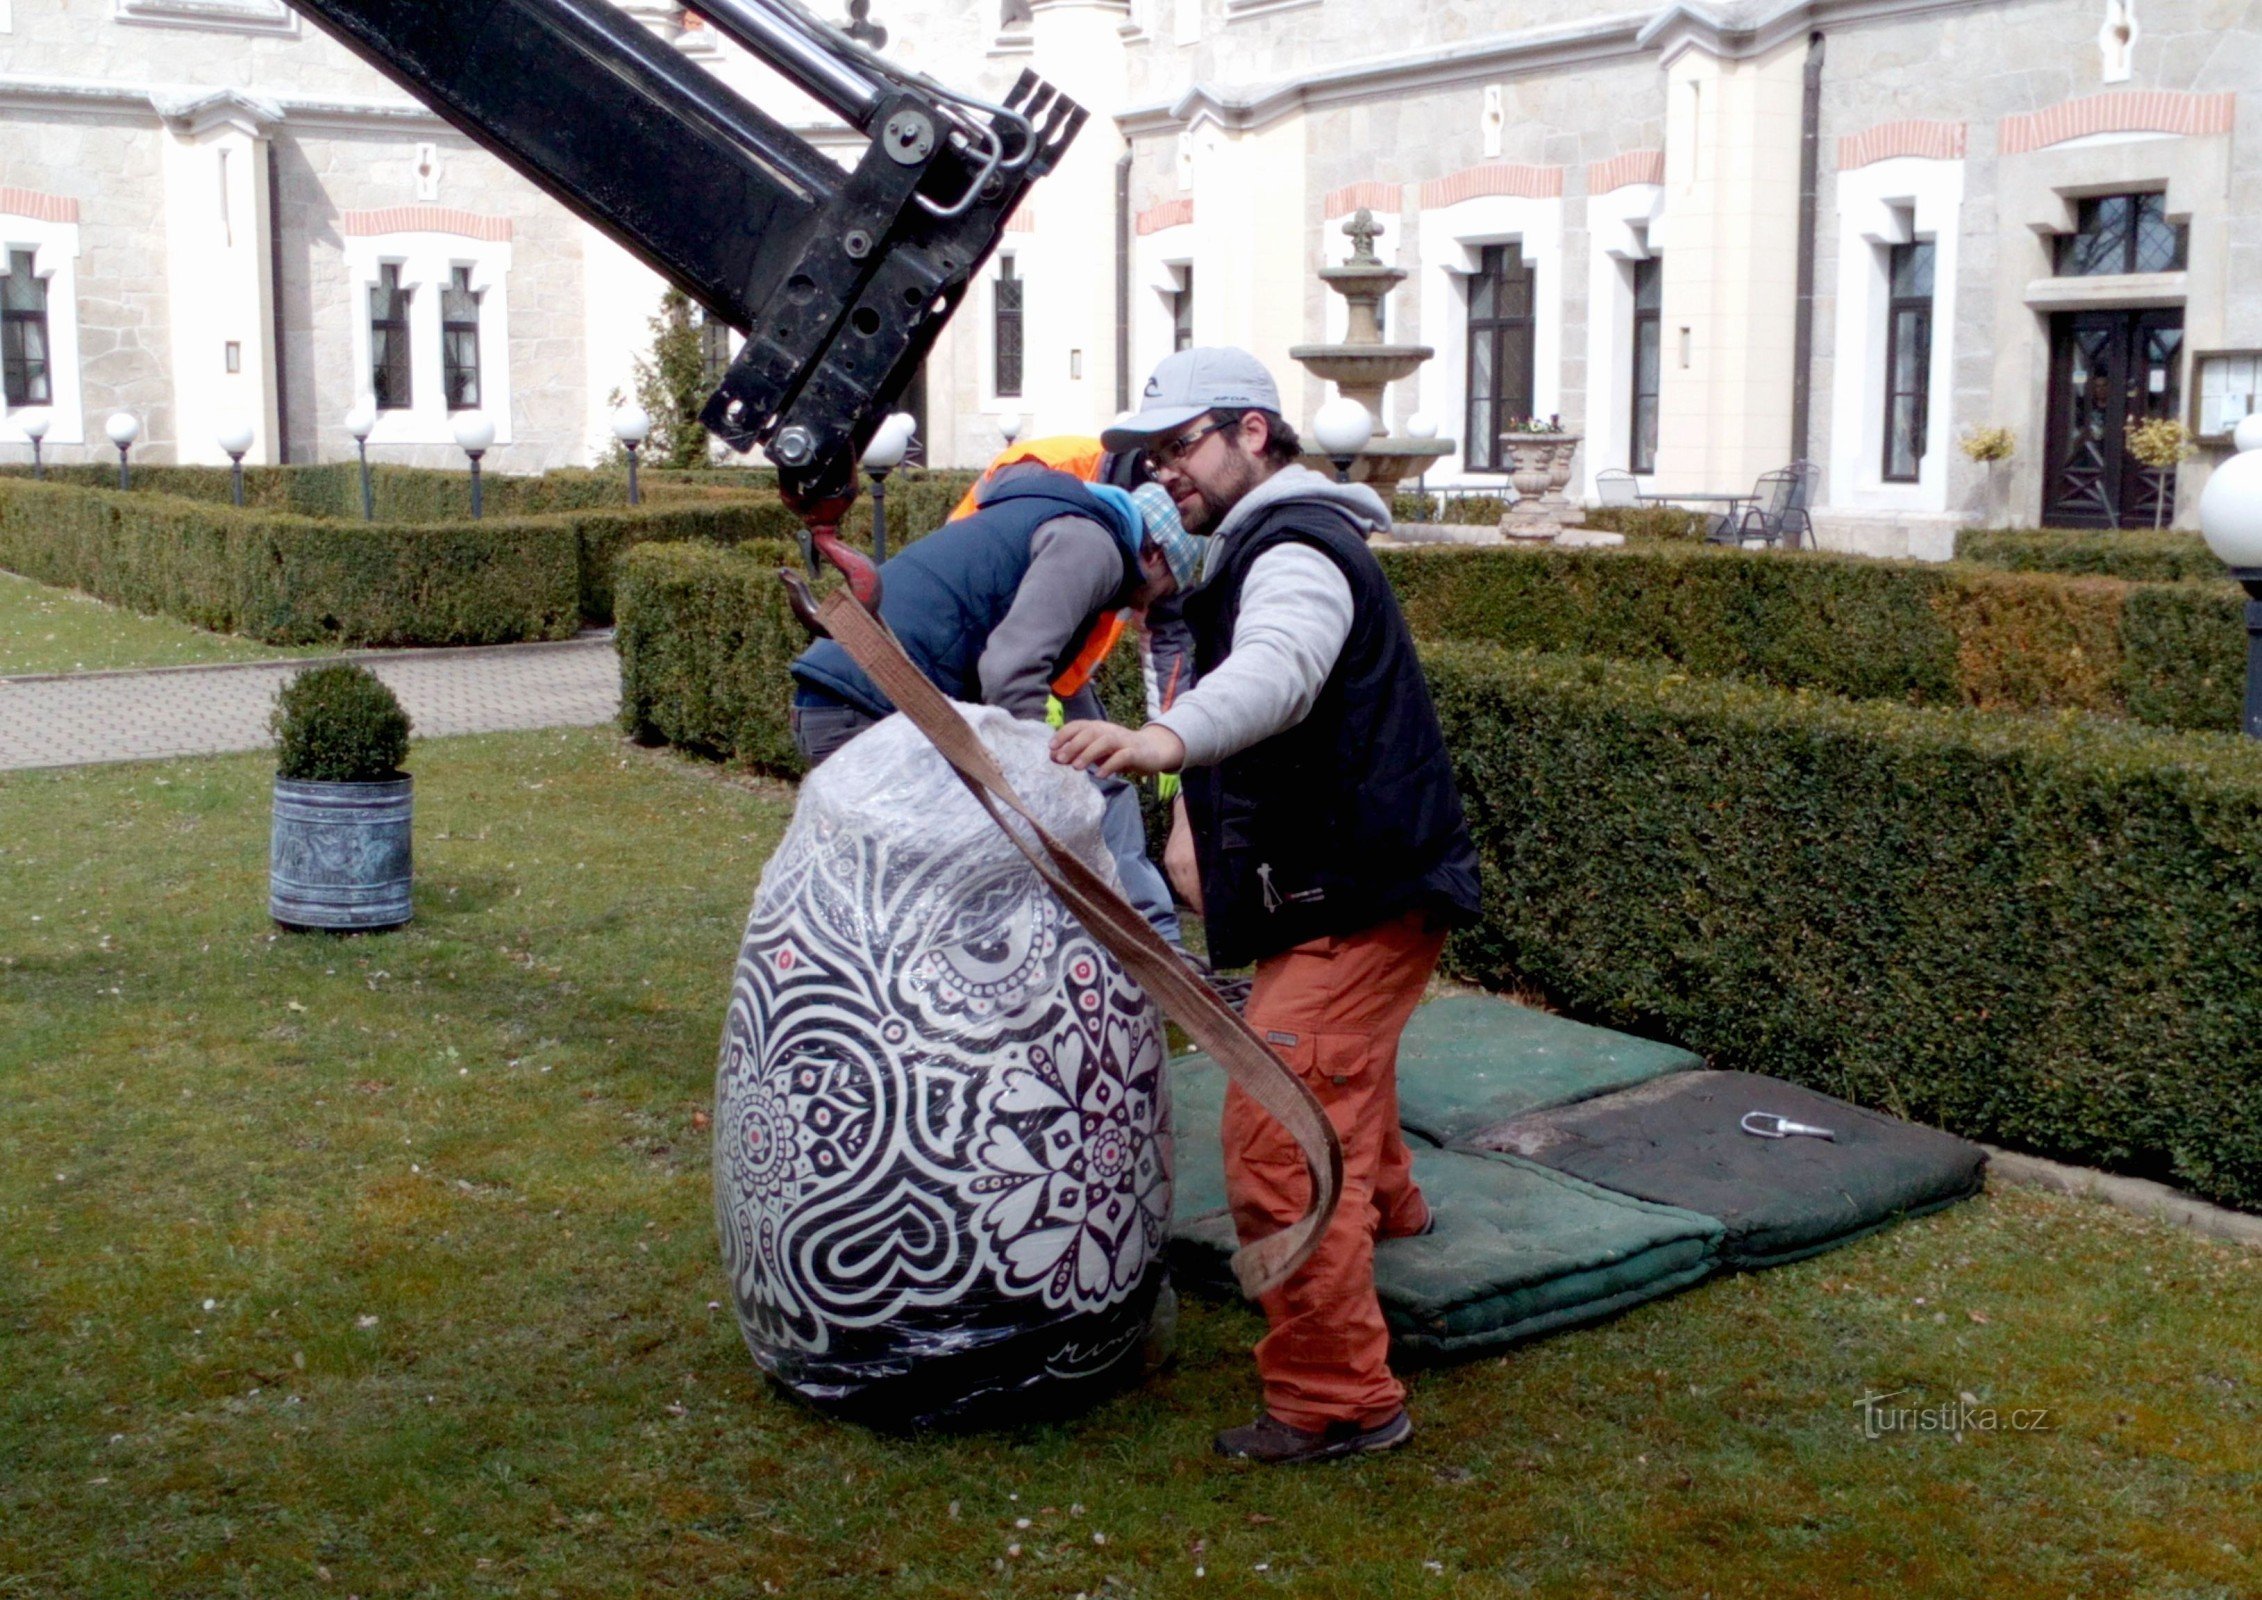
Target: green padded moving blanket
{"points": [[1581, 1172], [1677, 1140], [1519, 1250], [1470, 1062]]}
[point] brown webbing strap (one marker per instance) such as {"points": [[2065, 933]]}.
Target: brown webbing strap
{"points": [[1213, 1025]]}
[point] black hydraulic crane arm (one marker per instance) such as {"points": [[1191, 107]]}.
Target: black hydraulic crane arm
{"points": [[840, 280]]}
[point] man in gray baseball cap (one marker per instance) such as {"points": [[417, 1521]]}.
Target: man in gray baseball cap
{"points": [[1215, 385], [1321, 837]]}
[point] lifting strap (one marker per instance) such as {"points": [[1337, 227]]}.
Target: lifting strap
{"points": [[1213, 1025]]}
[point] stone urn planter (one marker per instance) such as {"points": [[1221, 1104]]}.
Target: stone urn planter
{"points": [[1540, 469], [339, 857]]}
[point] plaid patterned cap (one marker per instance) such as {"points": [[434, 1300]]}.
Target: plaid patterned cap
{"points": [[1166, 533]]}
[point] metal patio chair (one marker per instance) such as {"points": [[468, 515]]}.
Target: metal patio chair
{"points": [[1617, 487], [1778, 515]]}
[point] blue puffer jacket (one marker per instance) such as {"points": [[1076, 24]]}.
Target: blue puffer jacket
{"points": [[945, 593]]}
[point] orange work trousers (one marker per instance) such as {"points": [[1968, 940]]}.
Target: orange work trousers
{"points": [[1333, 1009]]}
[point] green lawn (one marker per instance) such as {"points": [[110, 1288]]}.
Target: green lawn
{"points": [[44, 629], [385, 1267]]}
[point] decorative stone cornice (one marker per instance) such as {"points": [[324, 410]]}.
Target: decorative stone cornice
{"points": [[1629, 166], [2146, 111], [1494, 178], [1737, 30], [39, 207], [212, 16], [424, 219], [1387, 198], [197, 112], [1552, 48], [143, 101], [1931, 141], [1168, 214]]}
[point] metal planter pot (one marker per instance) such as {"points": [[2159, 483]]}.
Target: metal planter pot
{"points": [[340, 855]]}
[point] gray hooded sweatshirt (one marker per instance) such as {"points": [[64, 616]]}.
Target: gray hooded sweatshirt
{"points": [[1295, 616]]}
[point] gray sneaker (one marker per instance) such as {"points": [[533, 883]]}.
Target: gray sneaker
{"points": [[1276, 1444]]}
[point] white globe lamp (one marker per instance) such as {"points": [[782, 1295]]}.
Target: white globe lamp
{"points": [[891, 441], [234, 440], [632, 425], [2230, 519], [361, 422], [1009, 426], [1343, 427], [35, 425], [1421, 425], [123, 428], [474, 431]]}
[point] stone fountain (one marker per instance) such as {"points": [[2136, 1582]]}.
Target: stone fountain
{"points": [[1363, 365]]}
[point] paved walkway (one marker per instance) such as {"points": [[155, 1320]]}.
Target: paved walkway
{"points": [[80, 718]]}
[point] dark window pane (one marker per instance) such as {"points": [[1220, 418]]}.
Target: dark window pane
{"points": [[714, 351], [22, 290], [24, 377], [1006, 330], [388, 341], [1912, 270], [459, 341], [1500, 350], [2159, 245], [1908, 360], [1182, 314], [1649, 284]]}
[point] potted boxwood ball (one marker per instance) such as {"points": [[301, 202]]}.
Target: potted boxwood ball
{"points": [[340, 854]]}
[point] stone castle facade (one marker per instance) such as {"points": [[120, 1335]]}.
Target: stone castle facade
{"points": [[1712, 238]]}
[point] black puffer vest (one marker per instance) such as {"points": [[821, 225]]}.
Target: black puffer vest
{"points": [[1350, 817]]}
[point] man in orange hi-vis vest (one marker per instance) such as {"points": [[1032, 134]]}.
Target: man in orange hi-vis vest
{"points": [[1015, 603]]}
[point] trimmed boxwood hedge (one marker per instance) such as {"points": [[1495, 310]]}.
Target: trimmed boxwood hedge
{"points": [[2046, 933], [298, 580], [2172, 655], [2137, 554], [285, 578]]}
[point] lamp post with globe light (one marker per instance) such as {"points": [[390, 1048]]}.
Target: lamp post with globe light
{"points": [[475, 431], [35, 425], [361, 422], [123, 428], [1343, 427], [2230, 518], [882, 456], [1009, 427], [235, 439], [632, 425]]}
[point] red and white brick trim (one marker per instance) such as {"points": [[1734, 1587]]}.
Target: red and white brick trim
{"points": [[1387, 198], [39, 207], [1630, 166], [2146, 111], [1932, 141], [1169, 214], [1497, 178], [424, 219]]}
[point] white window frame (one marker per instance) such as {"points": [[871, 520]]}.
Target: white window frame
{"points": [[1018, 251], [1618, 221], [1900, 200], [54, 248], [1160, 262], [1453, 240], [426, 261]]}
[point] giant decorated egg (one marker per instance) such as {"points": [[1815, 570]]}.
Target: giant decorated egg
{"points": [[942, 1122]]}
